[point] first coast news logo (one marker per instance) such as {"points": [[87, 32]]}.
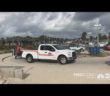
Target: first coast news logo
{"points": [[99, 76]]}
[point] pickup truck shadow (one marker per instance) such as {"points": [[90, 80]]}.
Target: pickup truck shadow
{"points": [[25, 75], [52, 61], [46, 61], [107, 62]]}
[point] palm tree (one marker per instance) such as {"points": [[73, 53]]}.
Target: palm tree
{"points": [[8, 41], [2, 41], [105, 37], [91, 38], [84, 36]]}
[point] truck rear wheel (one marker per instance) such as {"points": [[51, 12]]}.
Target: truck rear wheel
{"points": [[62, 60], [29, 58]]}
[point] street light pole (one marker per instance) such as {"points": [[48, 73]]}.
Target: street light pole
{"points": [[98, 26], [97, 35], [89, 35], [44, 37], [49, 38]]}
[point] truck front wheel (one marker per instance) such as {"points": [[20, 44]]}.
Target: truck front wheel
{"points": [[29, 58], [62, 60]]}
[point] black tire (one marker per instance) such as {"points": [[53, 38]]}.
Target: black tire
{"points": [[62, 60], [73, 61], [29, 58]]}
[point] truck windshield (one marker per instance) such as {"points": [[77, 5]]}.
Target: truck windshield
{"points": [[60, 47]]}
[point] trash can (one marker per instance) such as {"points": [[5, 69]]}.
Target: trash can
{"points": [[97, 50], [91, 50]]}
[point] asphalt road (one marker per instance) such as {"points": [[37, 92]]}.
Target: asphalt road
{"points": [[86, 70]]}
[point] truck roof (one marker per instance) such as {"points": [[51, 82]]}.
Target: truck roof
{"points": [[48, 44]]}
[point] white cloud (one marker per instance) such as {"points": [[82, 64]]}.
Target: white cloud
{"points": [[58, 23], [10, 31], [35, 19], [4, 15], [33, 23]]}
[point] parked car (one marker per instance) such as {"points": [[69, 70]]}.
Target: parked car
{"points": [[50, 52], [77, 47], [103, 44], [107, 47]]}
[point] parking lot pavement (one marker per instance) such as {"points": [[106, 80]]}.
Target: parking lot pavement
{"points": [[52, 72], [4, 55]]}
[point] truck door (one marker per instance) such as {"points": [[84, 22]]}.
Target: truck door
{"points": [[46, 52]]}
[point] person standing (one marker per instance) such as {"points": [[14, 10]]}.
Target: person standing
{"points": [[17, 51], [91, 48], [97, 48]]}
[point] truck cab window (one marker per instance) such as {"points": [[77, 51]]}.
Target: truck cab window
{"points": [[43, 47], [50, 48]]}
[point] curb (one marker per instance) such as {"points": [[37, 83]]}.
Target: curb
{"points": [[5, 58]]}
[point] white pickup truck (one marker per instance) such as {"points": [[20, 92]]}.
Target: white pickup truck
{"points": [[50, 52]]}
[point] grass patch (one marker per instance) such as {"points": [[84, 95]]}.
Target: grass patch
{"points": [[100, 55], [4, 48], [5, 51]]}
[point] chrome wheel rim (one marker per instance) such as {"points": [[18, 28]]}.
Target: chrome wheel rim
{"points": [[63, 60], [29, 59]]}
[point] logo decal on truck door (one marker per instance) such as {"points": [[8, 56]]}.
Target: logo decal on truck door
{"points": [[49, 54]]}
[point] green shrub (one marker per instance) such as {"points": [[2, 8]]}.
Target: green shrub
{"points": [[4, 48]]}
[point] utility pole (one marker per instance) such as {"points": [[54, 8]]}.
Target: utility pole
{"points": [[98, 27], [44, 37], [89, 34]]}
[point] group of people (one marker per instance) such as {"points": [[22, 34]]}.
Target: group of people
{"points": [[94, 48], [95, 44]]}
